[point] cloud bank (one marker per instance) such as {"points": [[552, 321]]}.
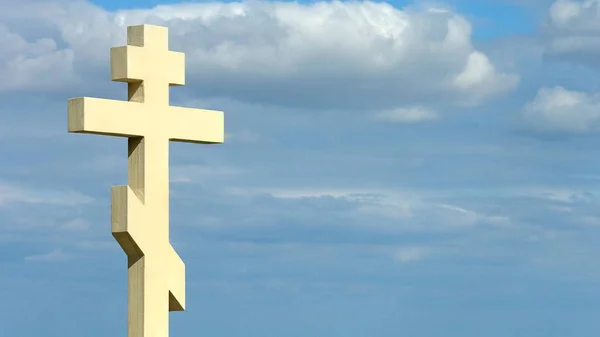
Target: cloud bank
{"points": [[329, 55]]}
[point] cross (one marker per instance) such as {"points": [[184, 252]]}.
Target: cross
{"points": [[140, 210]]}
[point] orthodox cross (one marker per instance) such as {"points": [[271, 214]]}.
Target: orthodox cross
{"points": [[140, 210]]}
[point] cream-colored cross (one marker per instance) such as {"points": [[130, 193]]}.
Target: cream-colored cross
{"points": [[140, 211]]}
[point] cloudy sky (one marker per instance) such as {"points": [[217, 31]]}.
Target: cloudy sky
{"points": [[412, 168]]}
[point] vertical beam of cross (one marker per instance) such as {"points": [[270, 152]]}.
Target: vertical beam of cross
{"points": [[140, 210]]}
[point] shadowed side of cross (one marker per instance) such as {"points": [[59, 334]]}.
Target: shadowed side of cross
{"points": [[140, 211]]}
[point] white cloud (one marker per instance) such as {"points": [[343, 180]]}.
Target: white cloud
{"points": [[13, 193], [75, 225], [278, 52], [457, 217], [395, 205], [409, 254], [53, 256], [306, 193], [575, 15], [479, 78], [560, 110], [574, 30], [202, 173], [409, 115], [397, 210], [33, 65], [97, 245], [561, 194]]}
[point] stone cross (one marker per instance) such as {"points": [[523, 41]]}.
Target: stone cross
{"points": [[140, 210]]}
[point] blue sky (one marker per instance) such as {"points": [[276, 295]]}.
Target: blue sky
{"points": [[409, 168]]}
